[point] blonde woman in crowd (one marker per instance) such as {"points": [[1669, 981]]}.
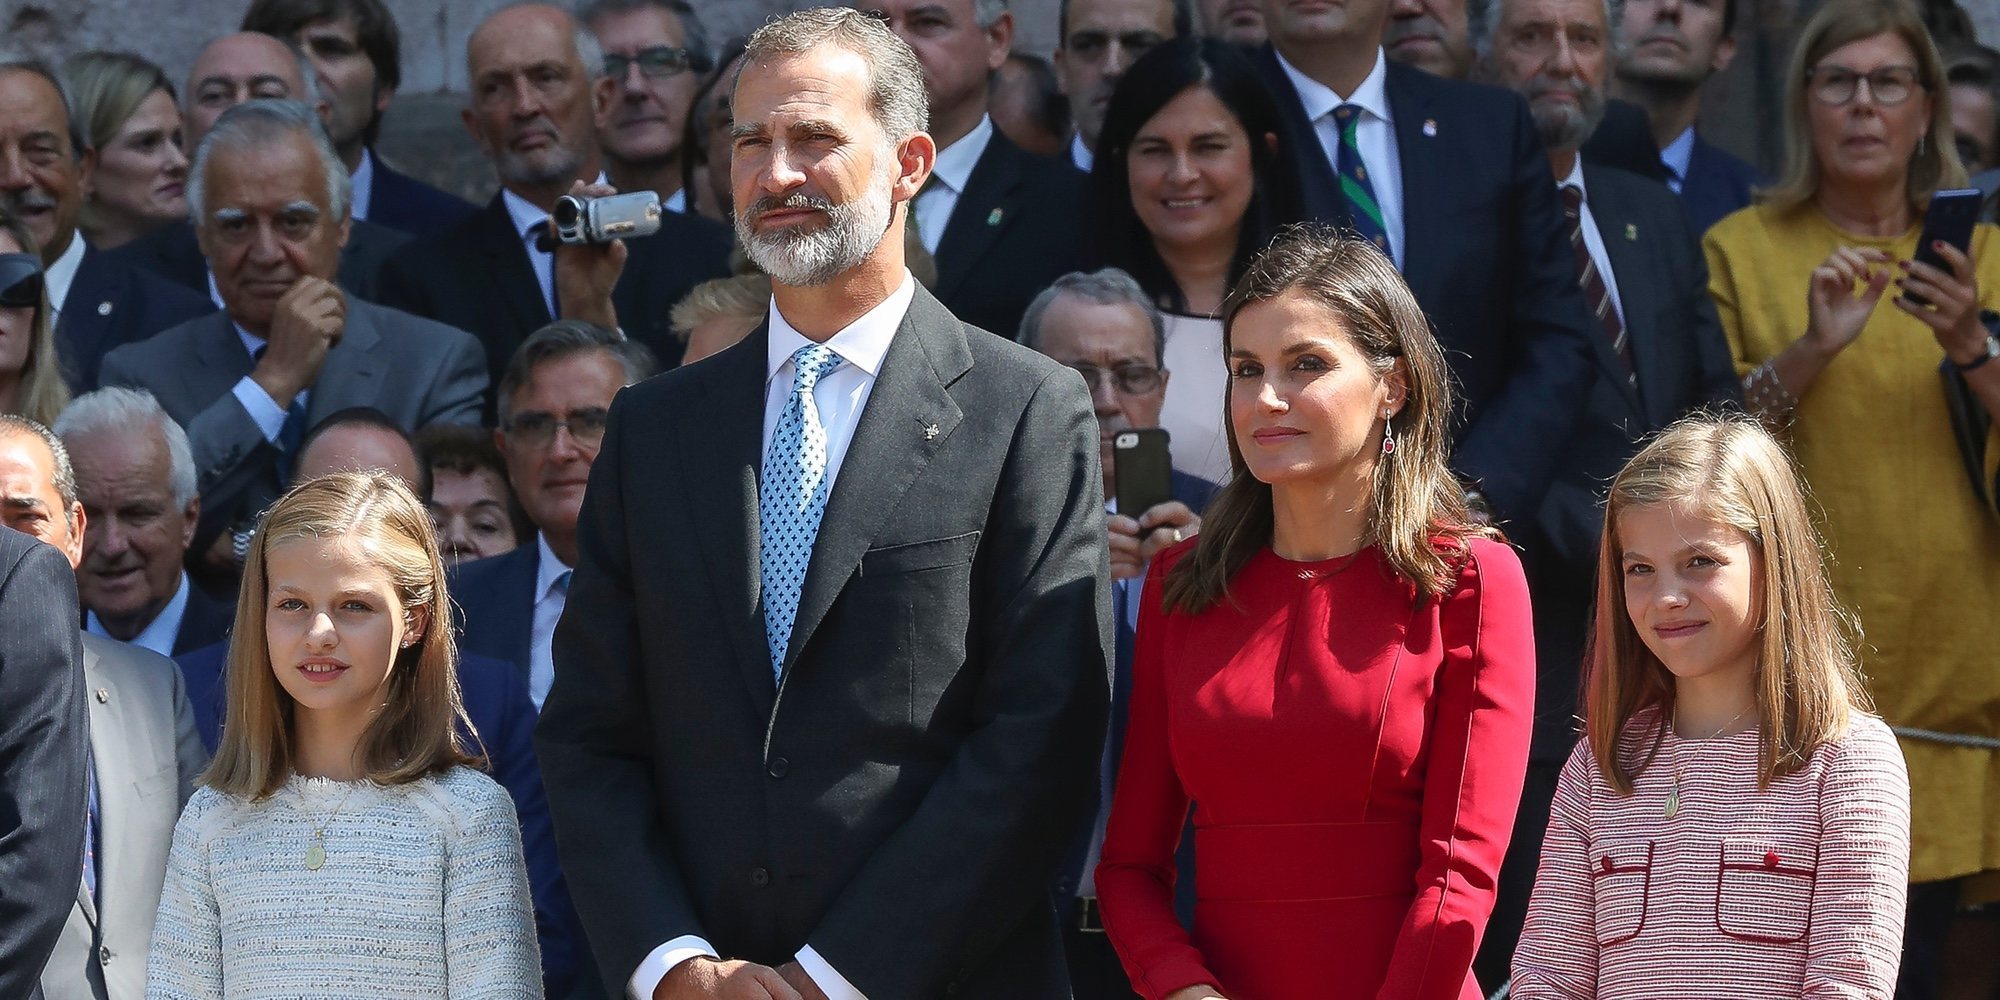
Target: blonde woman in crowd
{"points": [[31, 382], [132, 123]]}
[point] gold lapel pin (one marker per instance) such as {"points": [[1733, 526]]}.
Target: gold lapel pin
{"points": [[1632, 232], [993, 217], [930, 432]]}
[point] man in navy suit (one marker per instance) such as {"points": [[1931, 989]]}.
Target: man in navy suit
{"points": [[352, 46], [1668, 50], [1099, 40], [98, 301], [1451, 179], [1661, 349], [1103, 325]]}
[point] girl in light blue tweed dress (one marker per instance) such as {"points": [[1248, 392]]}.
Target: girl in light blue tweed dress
{"points": [[343, 846]]}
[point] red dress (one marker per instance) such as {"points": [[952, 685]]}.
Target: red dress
{"points": [[1354, 758]]}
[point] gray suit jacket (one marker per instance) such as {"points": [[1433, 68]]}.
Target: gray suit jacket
{"points": [[417, 371], [147, 754], [43, 743]]}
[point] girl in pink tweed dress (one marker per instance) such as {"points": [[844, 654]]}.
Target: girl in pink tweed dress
{"points": [[1735, 822]]}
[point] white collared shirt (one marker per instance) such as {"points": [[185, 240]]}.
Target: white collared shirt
{"points": [[1374, 136], [1593, 241], [264, 411], [949, 176], [160, 633], [362, 183], [840, 396], [543, 262], [57, 277], [1678, 155], [1080, 154], [676, 202], [550, 596]]}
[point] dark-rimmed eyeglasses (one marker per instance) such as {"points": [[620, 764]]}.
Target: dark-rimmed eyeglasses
{"points": [[656, 63], [538, 430], [1838, 85], [1133, 380], [20, 281]]}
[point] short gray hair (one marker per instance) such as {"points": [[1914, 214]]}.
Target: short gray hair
{"points": [[986, 12], [896, 93], [256, 124], [692, 29], [1108, 287], [561, 339], [1482, 18], [16, 63], [65, 473], [118, 410]]}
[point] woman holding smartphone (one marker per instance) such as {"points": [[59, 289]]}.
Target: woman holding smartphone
{"points": [[1814, 286]]}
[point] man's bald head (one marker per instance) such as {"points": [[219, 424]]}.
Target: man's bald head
{"points": [[236, 68], [531, 67]]}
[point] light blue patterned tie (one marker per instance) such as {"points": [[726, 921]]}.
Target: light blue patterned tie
{"points": [[791, 499]]}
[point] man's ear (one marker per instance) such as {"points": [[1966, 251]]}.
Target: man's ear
{"points": [[1725, 53], [916, 158], [86, 171], [999, 41]]}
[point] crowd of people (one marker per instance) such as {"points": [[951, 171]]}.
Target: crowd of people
{"points": [[1561, 573]]}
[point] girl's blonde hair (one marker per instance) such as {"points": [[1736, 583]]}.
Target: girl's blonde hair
{"points": [[1935, 163], [43, 391], [1727, 469], [416, 732]]}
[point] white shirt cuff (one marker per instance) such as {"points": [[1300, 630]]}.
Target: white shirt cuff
{"points": [[663, 960], [831, 983], [264, 411]]}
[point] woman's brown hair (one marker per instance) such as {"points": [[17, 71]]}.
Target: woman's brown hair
{"points": [[1727, 469], [43, 391], [416, 730], [1416, 512], [1932, 166]]}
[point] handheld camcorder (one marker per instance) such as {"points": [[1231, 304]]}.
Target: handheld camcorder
{"points": [[580, 220]]}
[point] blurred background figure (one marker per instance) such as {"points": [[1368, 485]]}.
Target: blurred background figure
{"points": [[31, 382], [1238, 22], [721, 311], [1028, 106], [1097, 41], [705, 146], [475, 511], [1666, 52], [655, 53], [1974, 72], [132, 122]]}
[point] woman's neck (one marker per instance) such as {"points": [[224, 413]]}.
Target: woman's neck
{"points": [[327, 746], [1311, 522], [1720, 703], [108, 232], [1865, 210], [1200, 271]]}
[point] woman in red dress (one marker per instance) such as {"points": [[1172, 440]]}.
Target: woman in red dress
{"points": [[1338, 673]]}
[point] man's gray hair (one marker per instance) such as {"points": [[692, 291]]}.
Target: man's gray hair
{"points": [[692, 30], [1482, 18], [1108, 287], [896, 80], [561, 339], [17, 63], [14, 423], [988, 11], [257, 124], [118, 410]]}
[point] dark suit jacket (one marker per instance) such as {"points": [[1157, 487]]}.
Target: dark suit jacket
{"points": [[408, 205], [1717, 183], [917, 768], [1624, 141], [172, 253], [503, 717], [496, 600], [1682, 364], [112, 303], [476, 276], [44, 748], [417, 372], [1012, 233], [1487, 255], [206, 621]]}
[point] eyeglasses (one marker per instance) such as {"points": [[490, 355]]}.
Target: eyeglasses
{"points": [[1837, 85], [1133, 380], [538, 430], [20, 281], [657, 62]]}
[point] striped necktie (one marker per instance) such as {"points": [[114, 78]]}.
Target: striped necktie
{"points": [[1363, 213], [1596, 294]]}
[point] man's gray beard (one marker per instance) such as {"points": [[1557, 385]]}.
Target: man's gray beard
{"points": [[1564, 127], [807, 259], [514, 168]]}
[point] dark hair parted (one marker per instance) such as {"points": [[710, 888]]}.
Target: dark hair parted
{"points": [[1416, 511], [561, 339], [1158, 77], [374, 30]]}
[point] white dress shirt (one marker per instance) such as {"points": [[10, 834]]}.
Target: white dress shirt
{"points": [[549, 601], [1676, 158], [949, 176], [362, 184], [1374, 136], [160, 633], [1080, 154], [56, 278], [676, 202], [264, 411], [543, 262], [840, 396], [1593, 241]]}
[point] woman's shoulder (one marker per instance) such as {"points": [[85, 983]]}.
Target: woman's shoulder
{"points": [[1867, 744], [1748, 233], [465, 795], [1490, 565]]}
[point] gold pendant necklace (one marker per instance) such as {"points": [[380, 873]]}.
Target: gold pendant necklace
{"points": [[1674, 792], [316, 854]]}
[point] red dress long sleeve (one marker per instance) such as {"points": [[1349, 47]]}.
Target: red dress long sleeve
{"points": [[1354, 757]]}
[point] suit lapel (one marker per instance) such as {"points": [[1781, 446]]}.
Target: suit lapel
{"points": [[350, 376], [1322, 189], [1423, 160], [1635, 293], [892, 444], [223, 358], [104, 725], [508, 271], [981, 214], [727, 455]]}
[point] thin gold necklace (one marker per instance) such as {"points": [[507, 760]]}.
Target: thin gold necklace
{"points": [[1674, 793], [316, 852]]}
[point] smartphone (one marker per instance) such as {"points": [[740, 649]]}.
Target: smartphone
{"points": [[1949, 220], [1141, 470]]}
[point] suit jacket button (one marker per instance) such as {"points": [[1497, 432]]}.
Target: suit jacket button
{"points": [[779, 767], [759, 878]]}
